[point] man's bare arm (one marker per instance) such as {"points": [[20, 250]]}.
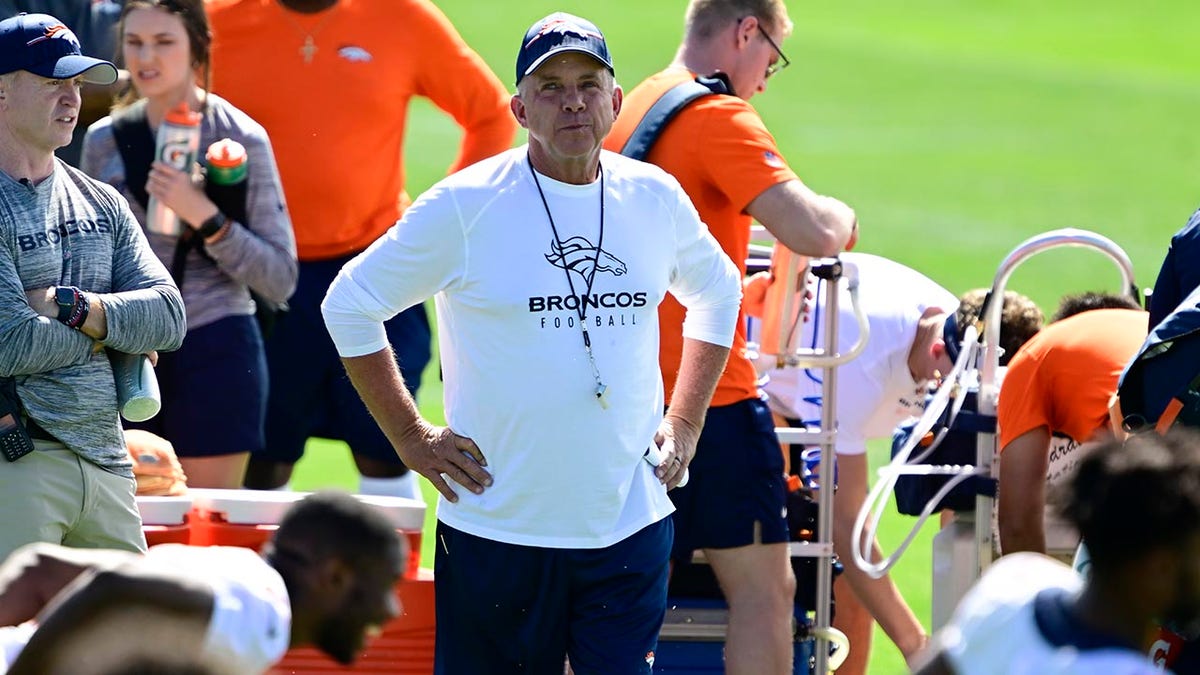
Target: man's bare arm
{"points": [[804, 221], [699, 371], [1022, 507], [434, 452], [35, 573], [103, 608]]}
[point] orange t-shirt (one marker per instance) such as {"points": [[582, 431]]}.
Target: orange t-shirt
{"points": [[1065, 375], [337, 122], [723, 156]]}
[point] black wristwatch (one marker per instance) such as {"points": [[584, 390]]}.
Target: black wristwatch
{"points": [[73, 305], [211, 226]]}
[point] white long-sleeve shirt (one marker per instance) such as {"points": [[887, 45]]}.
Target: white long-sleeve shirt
{"points": [[568, 472]]}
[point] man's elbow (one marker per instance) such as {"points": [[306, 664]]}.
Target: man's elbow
{"points": [[832, 241], [177, 319], [824, 238]]}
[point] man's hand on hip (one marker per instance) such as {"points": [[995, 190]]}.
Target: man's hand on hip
{"points": [[438, 453]]}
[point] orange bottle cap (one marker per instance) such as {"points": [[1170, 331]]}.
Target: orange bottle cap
{"points": [[184, 116]]}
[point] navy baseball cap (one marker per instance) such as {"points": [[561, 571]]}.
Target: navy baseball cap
{"points": [[43, 45], [560, 32]]}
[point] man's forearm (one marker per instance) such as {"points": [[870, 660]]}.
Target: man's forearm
{"points": [[379, 383], [103, 608], [1022, 529], [96, 325], [35, 573], [699, 371], [1022, 497]]}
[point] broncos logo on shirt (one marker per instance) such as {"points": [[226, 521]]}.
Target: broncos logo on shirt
{"points": [[580, 256], [354, 53]]}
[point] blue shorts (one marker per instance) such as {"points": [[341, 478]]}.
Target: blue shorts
{"points": [[736, 481], [214, 390], [310, 392], [504, 608]]}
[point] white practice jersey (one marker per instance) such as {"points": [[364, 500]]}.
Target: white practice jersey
{"points": [[12, 640], [252, 616], [1015, 621]]}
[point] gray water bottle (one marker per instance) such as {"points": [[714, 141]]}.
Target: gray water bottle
{"points": [[177, 143], [138, 397]]}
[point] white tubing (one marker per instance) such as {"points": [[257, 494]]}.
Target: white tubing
{"points": [[836, 637], [877, 500]]}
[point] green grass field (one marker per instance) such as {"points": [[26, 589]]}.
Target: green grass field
{"points": [[956, 129]]}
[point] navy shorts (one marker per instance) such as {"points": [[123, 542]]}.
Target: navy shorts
{"points": [[736, 481], [310, 392], [504, 608], [214, 390]]}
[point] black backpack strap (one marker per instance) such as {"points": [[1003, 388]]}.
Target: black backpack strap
{"points": [[134, 141], [667, 107], [131, 131]]}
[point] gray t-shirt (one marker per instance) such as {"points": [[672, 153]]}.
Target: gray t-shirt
{"points": [[70, 230], [262, 256]]}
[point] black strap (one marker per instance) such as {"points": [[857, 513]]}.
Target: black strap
{"points": [[135, 142], [667, 107]]}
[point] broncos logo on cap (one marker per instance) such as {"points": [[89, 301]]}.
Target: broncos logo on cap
{"points": [[578, 255], [565, 26], [56, 31]]}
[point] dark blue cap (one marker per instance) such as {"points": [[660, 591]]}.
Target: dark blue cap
{"points": [[560, 32], [951, 337], [43, 45]]}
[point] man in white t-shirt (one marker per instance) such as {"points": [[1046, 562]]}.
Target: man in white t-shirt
{"points": [[325, 579], [1137, 505], [547, 264], [911, 343]]}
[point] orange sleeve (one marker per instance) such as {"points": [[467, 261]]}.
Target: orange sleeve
{"points": [[1023, 404], [739, 153], [459, 82]]}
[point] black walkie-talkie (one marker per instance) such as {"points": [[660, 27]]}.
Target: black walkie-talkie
{"points": [[15, 442]]}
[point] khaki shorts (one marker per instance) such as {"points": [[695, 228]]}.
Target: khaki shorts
{"points": [[53, 495]]}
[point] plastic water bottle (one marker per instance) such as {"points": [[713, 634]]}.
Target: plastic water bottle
{"points": [[225, 177], [178, 143], [226, 160], [138, 396]]}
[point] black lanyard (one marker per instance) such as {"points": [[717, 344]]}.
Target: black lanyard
{"points": [[580, 301]]}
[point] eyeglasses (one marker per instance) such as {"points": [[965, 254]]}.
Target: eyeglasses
{"points": [[783, 61]]}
